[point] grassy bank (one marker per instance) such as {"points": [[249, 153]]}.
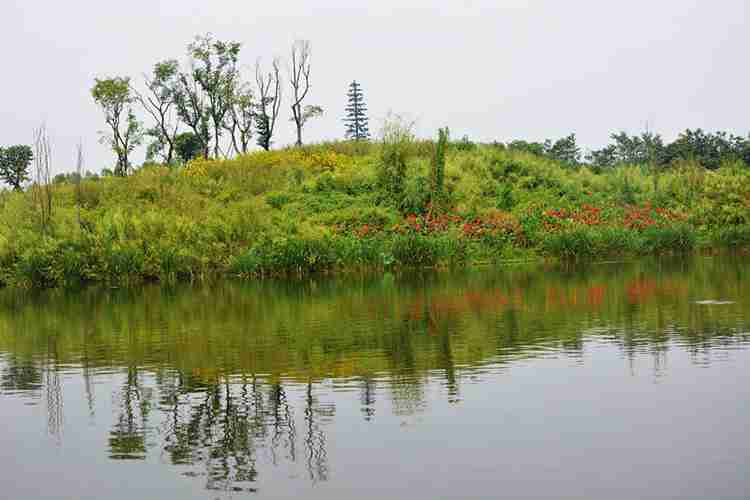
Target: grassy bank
{"points": [[345, 206]]}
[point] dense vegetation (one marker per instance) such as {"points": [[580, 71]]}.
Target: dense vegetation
{"points": [[364, 205]]}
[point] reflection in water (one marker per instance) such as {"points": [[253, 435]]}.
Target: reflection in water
{"points": [[222, 380]]}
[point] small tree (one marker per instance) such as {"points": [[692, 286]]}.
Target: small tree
{"points": [[188, 146], [214, 65], [240, 119], [299, 78], [42, 187], [159, 103], [115, 98], [14, 165], [269, 103], [357, 123], [191, 109], [565, 150], [397, 136]]}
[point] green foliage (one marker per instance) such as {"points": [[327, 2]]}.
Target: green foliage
{"points": [[357, 122], [679, 238], [188, 146], [115, 97], [416, 250], [349, 205], [397, 140], [14, 165], [438, 165], [286, 256], [735, 237]]}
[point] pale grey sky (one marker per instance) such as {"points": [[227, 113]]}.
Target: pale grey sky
{"points": [[495, 70]]}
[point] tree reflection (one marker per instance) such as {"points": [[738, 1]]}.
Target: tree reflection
{"points": [[196, 386], [127, 439]]}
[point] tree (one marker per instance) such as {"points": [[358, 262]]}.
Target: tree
{"points": [[189, 102], [534, 148], [115, 98], [299, 79], [709, 149], [240, 119], [215, 70], [269, 103], [357, 123], [42, 188], [605, 157], [564, 150], [14, 165], [188, 146], [159, 103]]}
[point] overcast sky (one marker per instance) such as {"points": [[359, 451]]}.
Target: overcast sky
{"points": [[494, 70]]}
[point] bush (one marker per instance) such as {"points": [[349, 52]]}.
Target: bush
{"points": [[415, 250], [732, 237], [679, 238], [286, 256]]}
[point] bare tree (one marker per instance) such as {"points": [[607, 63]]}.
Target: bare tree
{"points": [[269, 102], [42, 188], [79, 176], [299, 79]]}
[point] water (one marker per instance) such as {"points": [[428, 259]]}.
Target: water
{"points": [[617, 381]]}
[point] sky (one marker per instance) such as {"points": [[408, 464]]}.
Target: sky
{"points": [[492, 70]]}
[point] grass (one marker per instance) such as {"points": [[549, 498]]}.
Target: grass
{"points": [[344, 205]]}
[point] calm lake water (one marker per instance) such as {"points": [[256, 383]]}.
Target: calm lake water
{"points": [[609, 381]]}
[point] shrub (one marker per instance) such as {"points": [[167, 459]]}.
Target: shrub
{"points": [[679, 238], [397, 140], [415, 250], [286, 256], [732, 237]]}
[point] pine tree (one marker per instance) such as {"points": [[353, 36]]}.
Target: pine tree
{"points": [[357, 123]]}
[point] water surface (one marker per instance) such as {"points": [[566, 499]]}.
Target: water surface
{"points": [[617, 381]]}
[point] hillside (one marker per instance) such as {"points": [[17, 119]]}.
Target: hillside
{"points": [[362, 205]]}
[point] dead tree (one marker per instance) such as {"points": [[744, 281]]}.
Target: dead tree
{"points": [[42, 188], [79, 178], [269, 103], [299, 79]]}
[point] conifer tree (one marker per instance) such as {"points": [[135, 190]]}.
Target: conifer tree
{"points": [[357, 123]]}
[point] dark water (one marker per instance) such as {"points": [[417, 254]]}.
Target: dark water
{"points": [[612, 381]]}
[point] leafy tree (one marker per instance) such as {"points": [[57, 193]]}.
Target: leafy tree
{"points": [[645, 149], [190, 104], [159, 103], [14, 165], [214, 68], [357, 122], [269, 103], [188, 146], [299, 79], [635, 150], [605, 157], [564, 150], [535, 148], [710, 150], [115, 98]]}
